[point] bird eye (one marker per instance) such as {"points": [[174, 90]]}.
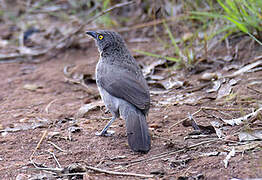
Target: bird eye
{"points": [[100, 37]]}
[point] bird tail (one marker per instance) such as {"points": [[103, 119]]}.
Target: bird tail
{"points": [[136, 127]]}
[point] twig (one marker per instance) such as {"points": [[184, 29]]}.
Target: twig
{"points": [[48, 106], [60, 170], [220, 109], [55, 170], [182, 120], [38, 144], [56, 160], [253, 89], [119, 173], [57, 147], [150, 23], [184, 173]]}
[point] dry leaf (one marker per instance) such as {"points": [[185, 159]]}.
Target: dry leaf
{"points": [[170, 83], [217, 128], [245, 69], [148, 69], [250, 135], [32, 87], [224, 90], [155, 126], [87, 107], [240, 120], [208, 76], [216, 86], [229, 155]]}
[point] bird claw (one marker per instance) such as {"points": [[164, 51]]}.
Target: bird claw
{"points": [[106, 133]]}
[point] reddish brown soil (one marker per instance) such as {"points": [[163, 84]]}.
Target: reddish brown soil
{"points": [[22, 108]]}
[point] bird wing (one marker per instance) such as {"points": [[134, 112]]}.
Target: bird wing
{"points": [[124, 84]]}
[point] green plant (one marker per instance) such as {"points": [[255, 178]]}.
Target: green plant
{"points": [[243, 15], [184, 57]]}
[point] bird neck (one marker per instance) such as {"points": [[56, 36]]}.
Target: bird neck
{"points": [[114, 50]]}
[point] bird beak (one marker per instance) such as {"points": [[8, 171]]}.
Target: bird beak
{"points": [[91, 33]]}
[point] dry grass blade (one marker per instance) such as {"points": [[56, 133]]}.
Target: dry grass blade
{"points": [[38, 144]]}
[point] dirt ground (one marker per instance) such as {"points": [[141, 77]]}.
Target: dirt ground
{"points": [[36, 101]]}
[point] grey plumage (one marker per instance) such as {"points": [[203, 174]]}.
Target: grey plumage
{"points": [[123, 88]]}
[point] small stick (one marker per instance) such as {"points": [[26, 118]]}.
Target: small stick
{"points": [[59, 170], [182, 120], [56, 160], [220, 109], [150, 23], [55, 170], [119, 173], [49, 104], [253, 89], [57, 147], [39, 143]]}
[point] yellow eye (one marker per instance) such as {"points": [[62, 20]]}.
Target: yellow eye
{"points": [[100, 37]]}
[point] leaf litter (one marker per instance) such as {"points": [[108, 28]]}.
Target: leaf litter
{"points": [[180, 96]]}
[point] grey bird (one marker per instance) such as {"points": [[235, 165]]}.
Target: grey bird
{"points": [[123, 88]]}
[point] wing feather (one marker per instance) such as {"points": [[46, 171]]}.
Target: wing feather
{"points": [[126, 86]]}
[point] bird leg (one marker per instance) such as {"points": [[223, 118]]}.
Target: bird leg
{"points": [[104, 132]]}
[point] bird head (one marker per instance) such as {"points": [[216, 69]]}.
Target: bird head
{"points": [[106, 39]]}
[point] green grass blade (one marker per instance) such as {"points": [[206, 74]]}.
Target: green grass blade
{"points": [[253, 37], [207, 14], [176, 48], [241, 26], [157, 55]]}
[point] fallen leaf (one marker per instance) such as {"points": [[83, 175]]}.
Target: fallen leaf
{"points": [[215, 153], [208, 76], [52, 134], [216, 86], [240, 120], [245, 69], [224, 90], [233, 82], [155, 126], [217, 128], [32, 87], [170, 83], [87, 107], [148, 69], [228, 157], [250, 135]]}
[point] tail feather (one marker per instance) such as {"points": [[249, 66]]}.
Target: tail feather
{"points": [[137, 128]]}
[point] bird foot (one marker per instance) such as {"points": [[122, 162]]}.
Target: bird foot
{"points": [[106, 133]]}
